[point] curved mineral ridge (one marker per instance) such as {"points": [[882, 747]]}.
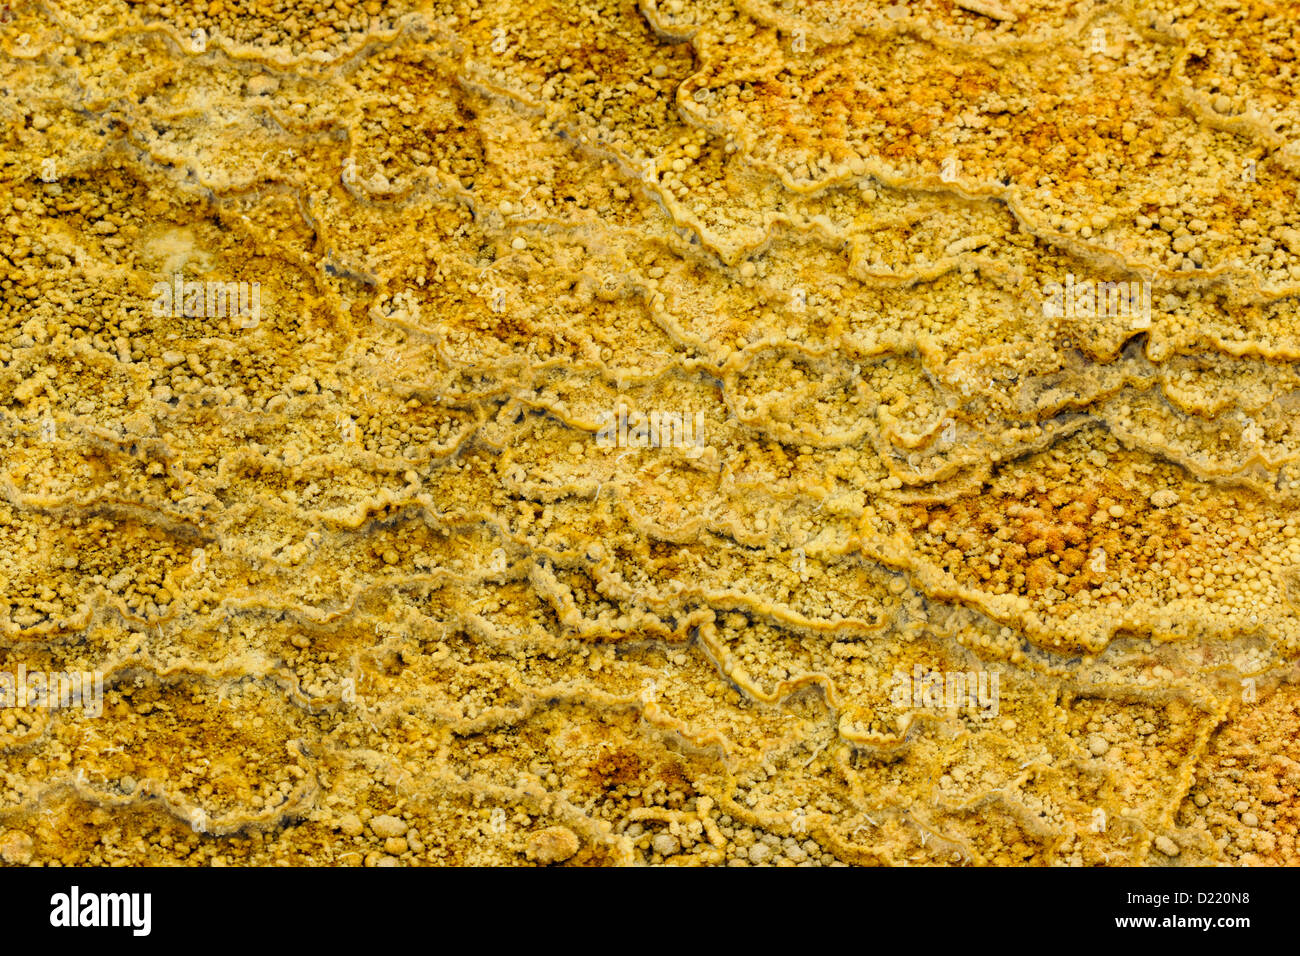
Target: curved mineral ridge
{"points": [[643, 402]]}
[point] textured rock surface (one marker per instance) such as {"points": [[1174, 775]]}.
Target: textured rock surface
{"points": [[364, 584]]}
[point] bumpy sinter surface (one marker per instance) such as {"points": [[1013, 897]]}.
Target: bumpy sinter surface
{"points": [[364, 583]]}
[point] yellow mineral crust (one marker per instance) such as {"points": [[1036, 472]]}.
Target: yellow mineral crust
{"points": [[689, 432]]}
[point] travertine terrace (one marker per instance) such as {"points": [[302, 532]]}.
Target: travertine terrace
{"points": [[363, 584]]}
